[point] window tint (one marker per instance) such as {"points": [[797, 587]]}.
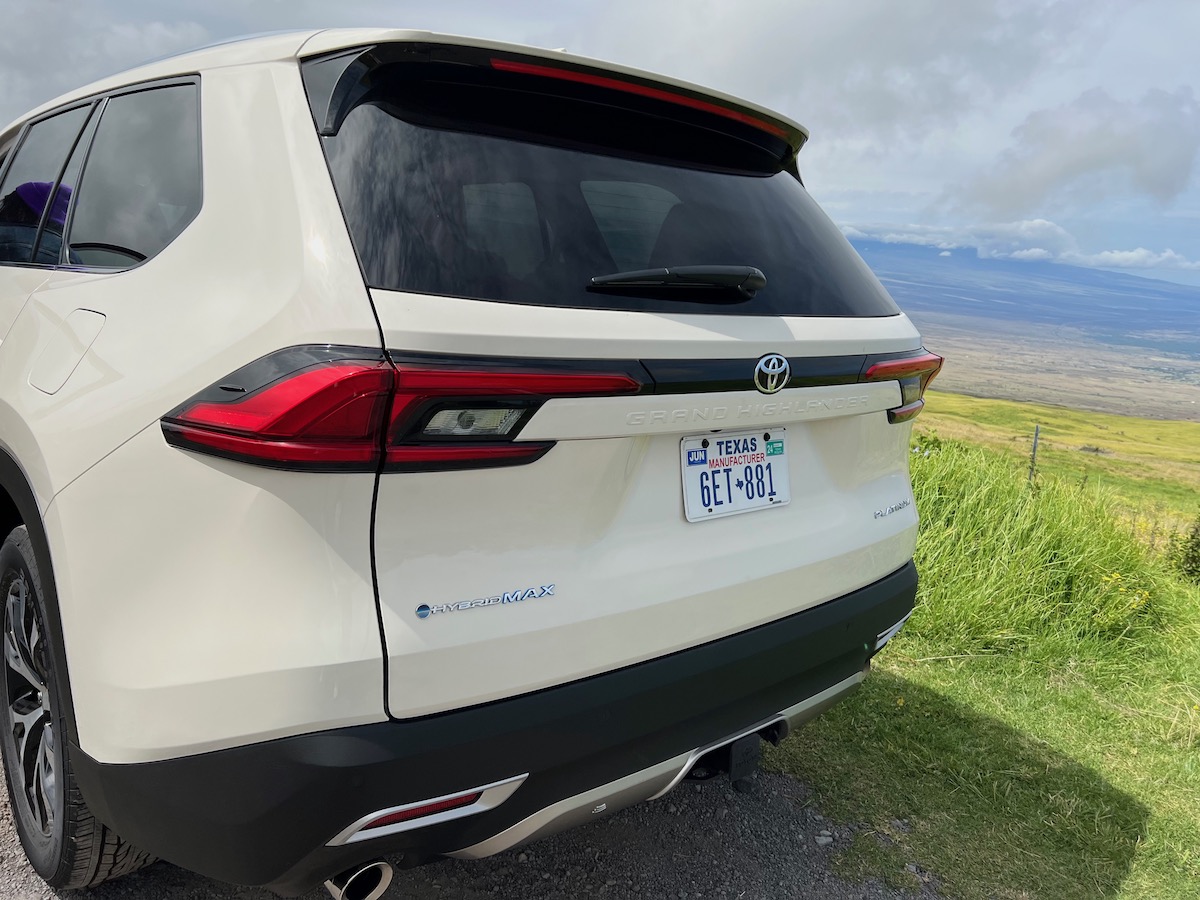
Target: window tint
{"points": [[141, 185], [629, 217], [453, 212], [28, 185], [49, 246], [502, 220]]}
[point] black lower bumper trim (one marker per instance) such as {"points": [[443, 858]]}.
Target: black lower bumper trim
{"points": [[262, 814]]}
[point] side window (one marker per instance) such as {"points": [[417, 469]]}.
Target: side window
{"points": [[502, 219], [28, 184], [629, 215], [141, 184]]}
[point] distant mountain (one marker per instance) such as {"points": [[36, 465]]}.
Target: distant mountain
{"points": [[1109, 307]]}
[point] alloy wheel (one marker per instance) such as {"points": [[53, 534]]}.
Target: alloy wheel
{"points": [[28, 698]]}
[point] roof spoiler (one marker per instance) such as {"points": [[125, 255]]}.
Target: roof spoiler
{"points": [[337, 82]]}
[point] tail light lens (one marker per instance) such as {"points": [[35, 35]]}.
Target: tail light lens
{"points": [[914, 374], [329, 409], [326, 417]]}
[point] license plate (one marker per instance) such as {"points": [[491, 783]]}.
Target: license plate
{"points": [[727, 474]]}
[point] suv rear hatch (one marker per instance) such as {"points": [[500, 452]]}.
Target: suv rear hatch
{"points": [[650, 395]]}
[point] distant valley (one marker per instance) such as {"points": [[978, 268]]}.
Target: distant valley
{"points": [[1084, 338]]}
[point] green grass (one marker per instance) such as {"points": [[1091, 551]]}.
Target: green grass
{"points": [[1150, 466], [1035, 730]]}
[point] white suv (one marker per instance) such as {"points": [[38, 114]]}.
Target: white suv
{"points": [[413, 445]]}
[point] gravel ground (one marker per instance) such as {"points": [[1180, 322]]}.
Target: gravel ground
{"points": [[702, 840]]}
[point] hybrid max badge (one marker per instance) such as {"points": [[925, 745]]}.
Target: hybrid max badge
{"points": [[425, 610]]}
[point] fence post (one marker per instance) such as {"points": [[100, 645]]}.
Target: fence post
{"points": [[1033, 456]]}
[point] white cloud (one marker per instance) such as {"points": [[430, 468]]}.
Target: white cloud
{"points": [[1094, 148], [1141, 258], [47, 48], [1002, 240], [1077, 112], [1034, 240], [862, 71]]}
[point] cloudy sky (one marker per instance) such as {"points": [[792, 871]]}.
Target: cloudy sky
{"points": [[1063, 130]]}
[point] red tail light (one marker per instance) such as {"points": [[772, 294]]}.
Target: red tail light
{"points": [[308, 409], [914, 374], [324, 417]]}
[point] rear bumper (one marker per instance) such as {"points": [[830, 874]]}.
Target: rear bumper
{"points": [[276, 813]]}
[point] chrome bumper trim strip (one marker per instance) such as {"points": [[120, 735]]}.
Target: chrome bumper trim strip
{"points": [[646, 784]]}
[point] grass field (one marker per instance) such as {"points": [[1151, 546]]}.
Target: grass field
{"points": [[1035, 730], [1151, 466]]}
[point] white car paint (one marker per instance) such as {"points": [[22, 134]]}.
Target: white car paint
{"points": [[208, 604]]}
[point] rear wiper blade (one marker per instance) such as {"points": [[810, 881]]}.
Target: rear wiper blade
{"points": [[742, 281]]}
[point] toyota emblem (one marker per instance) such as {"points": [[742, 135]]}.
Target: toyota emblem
{"points": [[772, 373]]}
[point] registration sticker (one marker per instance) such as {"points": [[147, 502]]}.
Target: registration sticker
{"points": [[728, 474]]}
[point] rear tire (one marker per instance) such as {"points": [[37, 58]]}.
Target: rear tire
{"points": [[64, 842]]}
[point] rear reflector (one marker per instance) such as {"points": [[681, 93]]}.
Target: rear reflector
{"points": [[356, 415], [419, 812], [424, 813], [641, 90], [914, 374]]}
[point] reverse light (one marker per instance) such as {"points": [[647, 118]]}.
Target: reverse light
{"points": [[472, 422], [914, 374], [437, 420], [309, 408]]}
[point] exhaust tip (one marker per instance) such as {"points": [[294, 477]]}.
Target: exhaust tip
{"points": [[365, 882]]}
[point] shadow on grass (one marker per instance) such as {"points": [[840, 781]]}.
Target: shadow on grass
{"points": [[991, 812]]}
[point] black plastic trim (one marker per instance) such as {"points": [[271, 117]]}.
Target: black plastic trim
{"points": [[13, 480], [263, 813], [656, 376], [680, 376], [267, 370], [532, 364]]}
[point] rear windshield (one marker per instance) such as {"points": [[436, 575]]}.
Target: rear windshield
{"points": [[459, 210]]}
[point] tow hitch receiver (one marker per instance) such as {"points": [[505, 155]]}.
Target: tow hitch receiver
{"points": [[744, 754], [737, 758]]}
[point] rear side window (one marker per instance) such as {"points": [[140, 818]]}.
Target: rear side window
{"points": [[502, 220], [630, 217], [26, 193], [141, 184], [444, 194]]}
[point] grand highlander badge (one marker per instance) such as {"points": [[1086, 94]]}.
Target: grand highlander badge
{"points": [[772, 373]]}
